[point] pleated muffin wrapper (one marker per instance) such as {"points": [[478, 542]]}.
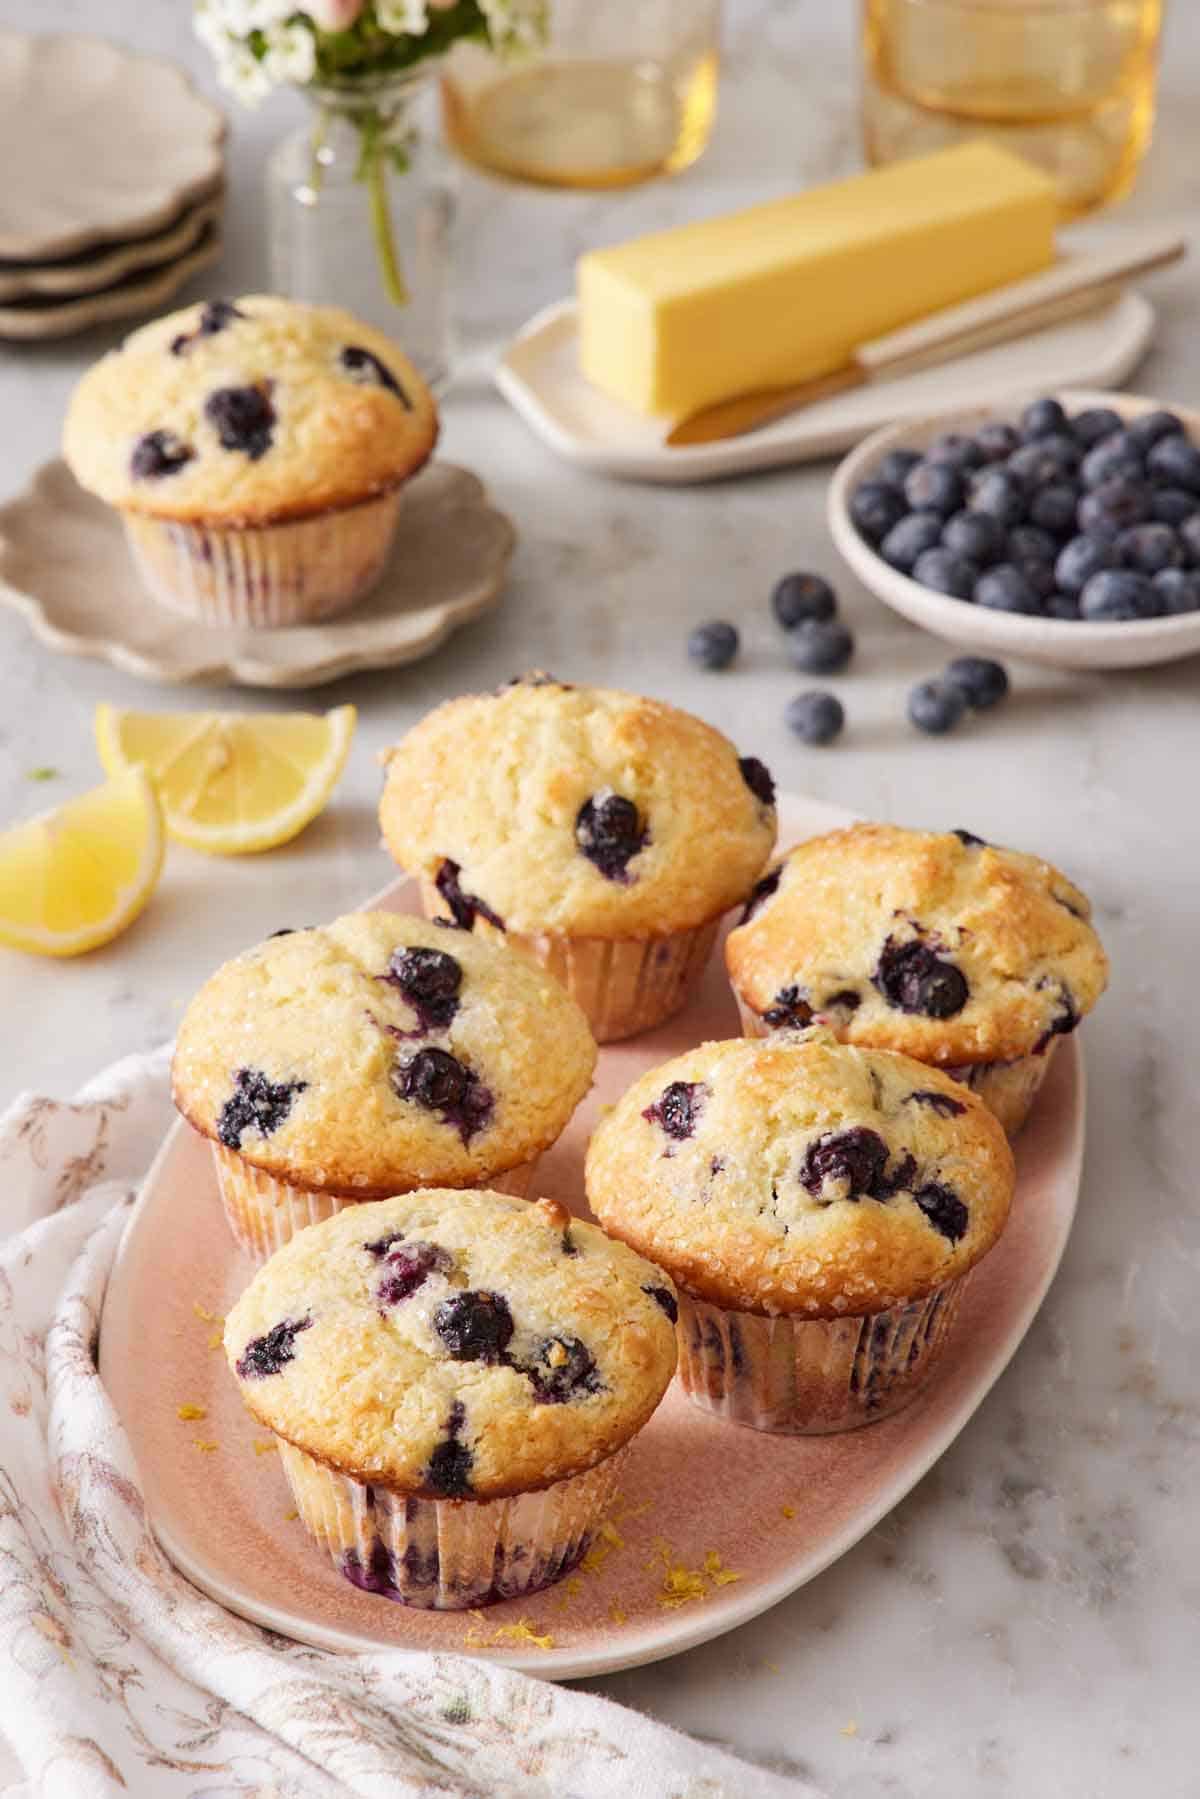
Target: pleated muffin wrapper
{"points": [[812, 1376], [1007, 1089], [264, 576], [624, 985], [450, 1554], [265, 1212]]}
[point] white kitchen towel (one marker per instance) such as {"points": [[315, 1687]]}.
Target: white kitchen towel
{"points": [[116, 1675]]}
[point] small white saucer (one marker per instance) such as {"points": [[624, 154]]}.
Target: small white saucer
{"points": [[1059, 643], [539, 376], [65, 566]]}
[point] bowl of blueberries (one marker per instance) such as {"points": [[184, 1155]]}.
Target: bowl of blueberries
{"points": [[1066, 532]]}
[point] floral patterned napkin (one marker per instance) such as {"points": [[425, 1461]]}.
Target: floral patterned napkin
{"points": [[116, 1675]]}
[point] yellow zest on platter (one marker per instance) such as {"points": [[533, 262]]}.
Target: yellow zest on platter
{"points": [[203, 1313], [205, 1446], [682, 1585], [76, 877], [232, 783], [787, 1511], [264, 1445], [189, 1413], [520, 1632]]}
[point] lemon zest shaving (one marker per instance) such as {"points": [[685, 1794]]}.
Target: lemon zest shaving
{"points": [[717, 1572], [263, 1445], [203, 1313], [290, 1517], [787, 1511], [216, 1340], [520, 1632], [205, 1446], [851, 1729], [617, 1615], [190, 1412]]}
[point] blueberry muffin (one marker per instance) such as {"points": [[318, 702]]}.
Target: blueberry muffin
{"points": [[369, 1057], [603, 833], [453, 1379], [974, 959], [819, 1209], [255, 450]]}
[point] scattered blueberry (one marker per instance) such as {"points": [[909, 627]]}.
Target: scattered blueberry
{"points": [[1120, 594], [1007, 588], [1175, 461], [256, 1104], [855, 1158], [975, 535], [875, 508], [244, 419], [1041, 418], [364, 364], [465, 907], [944, 1209], [1149, 549], [1098, 422], [799, 597], [934, 487], [996, 440], [1079, 560], [435, 1079], [1051, 459], [944, 572], [815, 717], [158, 453], [562, 1368], [789, 1010], [714, 645], [407, 1267], [981, 682], [430, 980], [821, 646], [956, 449], [1112, 507], [895, 467], [1000, 494], [758, 779], [268, 1355], [913, 979], [1152, 427], [666, 1299], [610, 833], [1180, 589], [1053, 507], [1173, 505], [677, 1108], [936, 707], [1113, 458], [915, 533], [475, 1326]]}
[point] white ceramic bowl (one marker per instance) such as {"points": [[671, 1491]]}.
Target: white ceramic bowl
{"points": [[1062, 643]]}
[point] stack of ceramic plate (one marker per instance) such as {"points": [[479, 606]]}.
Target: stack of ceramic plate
{"points": [[113, 187]]}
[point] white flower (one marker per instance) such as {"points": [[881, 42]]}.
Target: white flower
{"points": [[240, 71], [515, 24], [402, 16], [291, 54]]}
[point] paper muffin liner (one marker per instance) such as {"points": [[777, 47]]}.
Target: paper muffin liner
{"points": [[264, 576], [812, 1376], [624, 985], [264, 1212], [1007, 1089], [449, 1554]]}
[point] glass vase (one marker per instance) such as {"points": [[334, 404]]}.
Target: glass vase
{"points": [[360, 210]]}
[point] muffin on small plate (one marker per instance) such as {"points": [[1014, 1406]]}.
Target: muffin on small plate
{"points": [[369, 1057], [604, 833], [972, 958], [453, 1379], [819, 1209], [256, 450]]}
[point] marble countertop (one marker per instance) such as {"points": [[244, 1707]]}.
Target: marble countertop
{"points": [[1026, 1622]]}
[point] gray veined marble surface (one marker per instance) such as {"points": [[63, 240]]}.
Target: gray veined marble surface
{"points": [[1027, 1623]]}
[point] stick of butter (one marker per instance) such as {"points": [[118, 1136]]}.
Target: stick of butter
{"points": [[789, 289]]}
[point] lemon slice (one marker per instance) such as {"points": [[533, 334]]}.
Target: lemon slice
{"points": [[74, 878], [232, 782]]}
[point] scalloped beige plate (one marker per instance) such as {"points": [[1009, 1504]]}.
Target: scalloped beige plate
{"points": [[777, 1510], [75, 277], [65, 566], [97, 143], [45, 316]]}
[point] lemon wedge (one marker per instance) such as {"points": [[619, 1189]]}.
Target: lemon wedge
{"points": [[74, 878], [232, 782]]}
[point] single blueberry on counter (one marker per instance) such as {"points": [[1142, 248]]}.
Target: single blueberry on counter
{"points": [[934, 487], [713, 645], [944, 572], [975, 535], [875, 508], [1172, 505], [1120, 594], [1149, 549], [1113, 506], [1180, 589], [996, 440], [799, 597], [1000, 494], [1175, 462], [1153, 426], [982, 682], [820, 646], [1042, 418], [935, 706], [1079, 560], [915, 533], [815, 717], [1088, 428], [895, 466], [1113, 457], [1007, 588]]}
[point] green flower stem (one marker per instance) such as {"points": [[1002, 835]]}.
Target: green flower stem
{"points": [[316, 168], [373, 169]]}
